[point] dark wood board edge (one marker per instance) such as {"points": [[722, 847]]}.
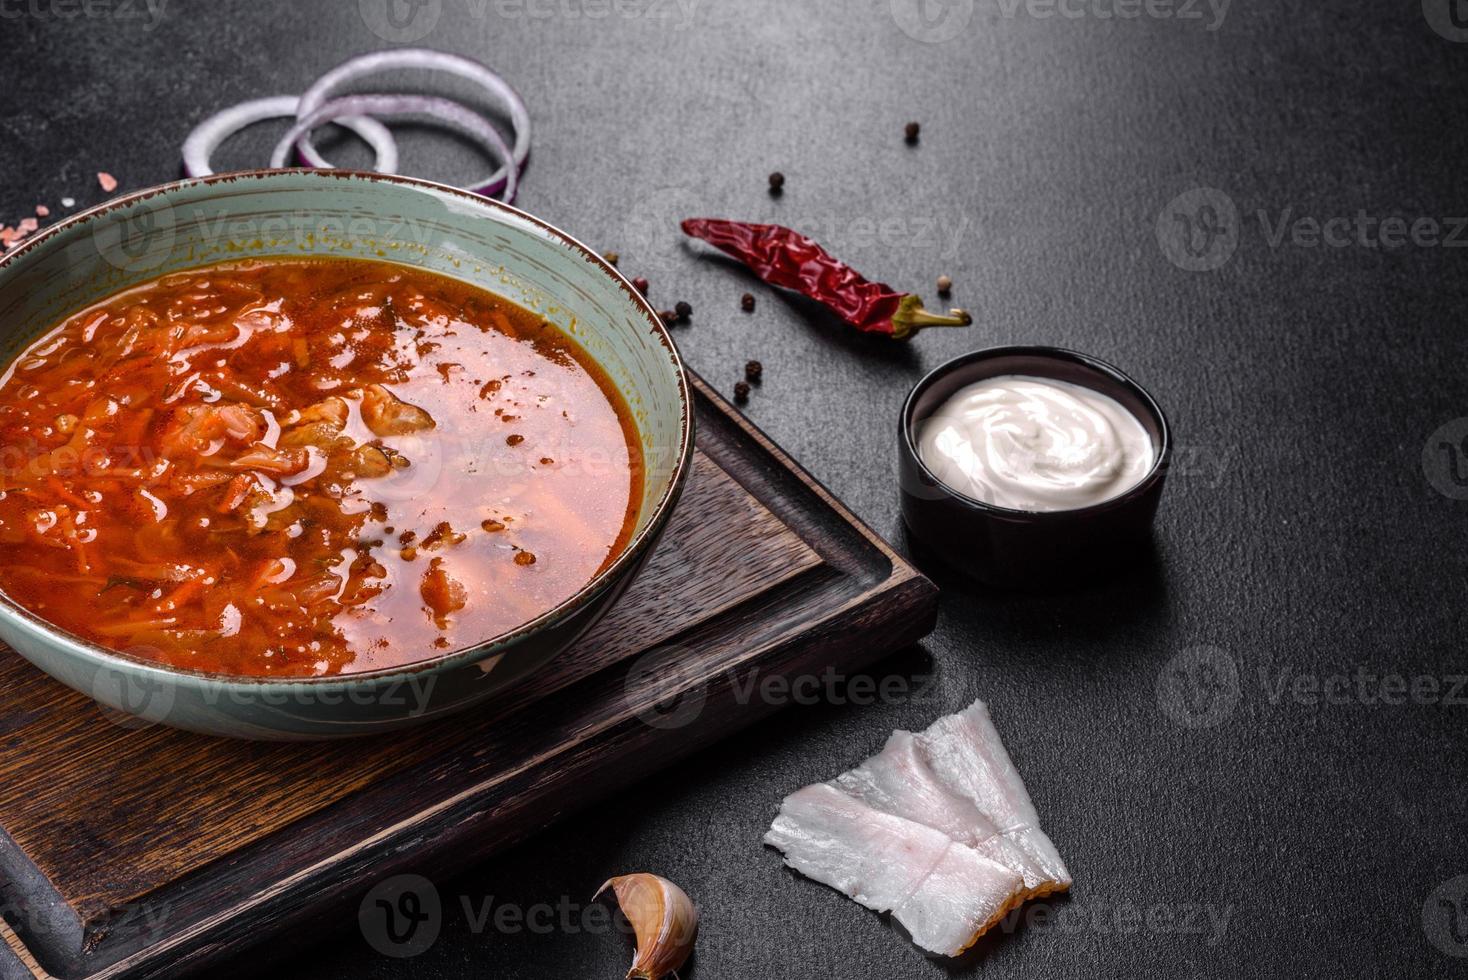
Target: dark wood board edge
{"points": [[32, 909], [765, 483], [884, 581], [11, 966], [878, 623]]}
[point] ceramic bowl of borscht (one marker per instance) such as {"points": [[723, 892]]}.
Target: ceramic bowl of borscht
{"points": [[313, 454]]}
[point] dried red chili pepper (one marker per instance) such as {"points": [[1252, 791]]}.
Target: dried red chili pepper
{"points": [[784, 257]]}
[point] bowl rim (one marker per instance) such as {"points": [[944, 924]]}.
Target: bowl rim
{"points": [[624, 563], [907, 424]]}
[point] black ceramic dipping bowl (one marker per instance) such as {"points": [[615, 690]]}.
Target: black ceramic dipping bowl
{"points": [[1029, 549]]}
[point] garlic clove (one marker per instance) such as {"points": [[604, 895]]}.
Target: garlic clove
{"points": [[664, 919]]}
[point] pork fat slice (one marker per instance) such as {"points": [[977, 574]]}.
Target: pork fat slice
{"points": [[944, 893], [965, 752], [899, 781], [937, 829]]}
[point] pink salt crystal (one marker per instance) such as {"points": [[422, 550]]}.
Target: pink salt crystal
{"points": [[43, 211], [108, 182]]}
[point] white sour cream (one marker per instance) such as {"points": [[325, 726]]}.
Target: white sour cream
{"points": [[1035, 444]]}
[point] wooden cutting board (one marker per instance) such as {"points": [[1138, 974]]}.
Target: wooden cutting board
{"points": [[132, 851]]}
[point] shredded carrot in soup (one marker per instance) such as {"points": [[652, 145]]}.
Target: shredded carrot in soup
{"points": [[307, 467]]}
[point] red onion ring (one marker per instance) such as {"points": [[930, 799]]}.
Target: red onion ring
{"points": [[424, 58], [207, 136], [445, 110]]}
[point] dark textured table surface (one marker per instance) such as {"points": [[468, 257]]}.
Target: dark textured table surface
{"points": [[1251, 751]]}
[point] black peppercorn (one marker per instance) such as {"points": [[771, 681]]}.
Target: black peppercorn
{"points": [[746, 302], [754, 371], [683, 310], [912, 131], [741, 392], [777, 182], [668, 316]]}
